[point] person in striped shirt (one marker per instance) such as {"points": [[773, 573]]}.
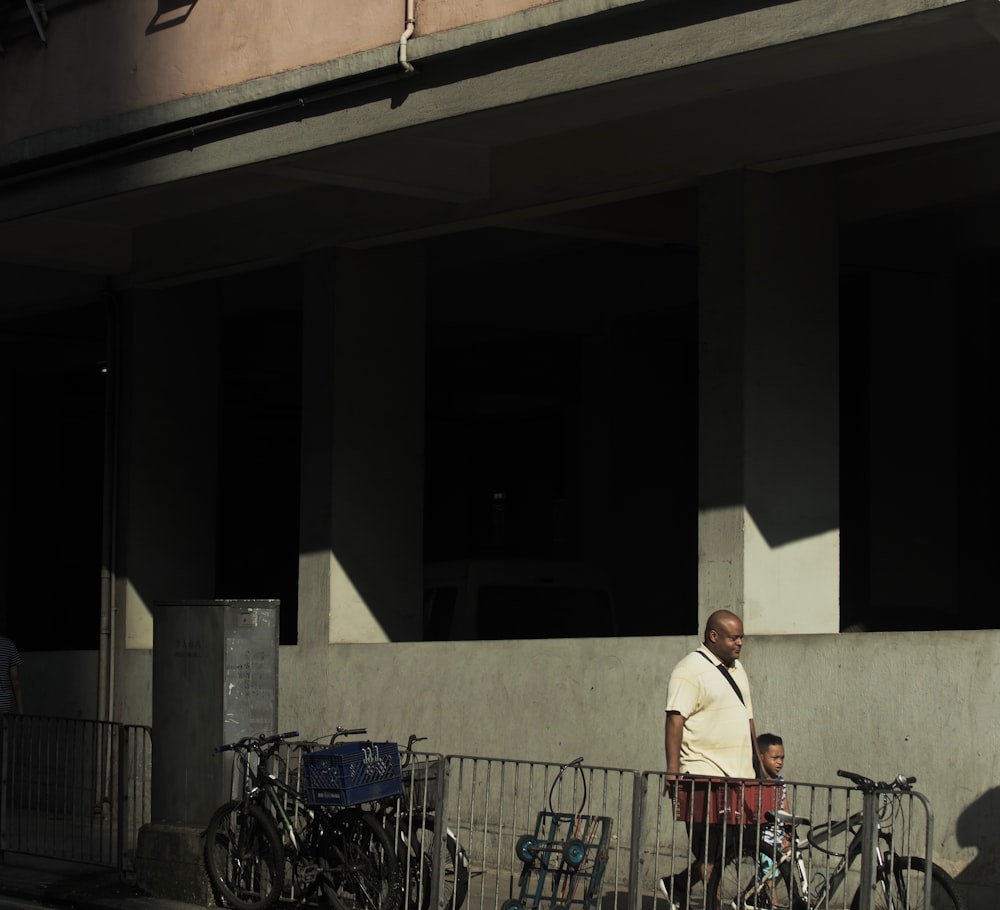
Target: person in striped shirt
{"points": [[11, 699]]}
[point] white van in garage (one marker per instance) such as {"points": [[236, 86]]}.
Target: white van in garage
{"points": [[488, 599]]}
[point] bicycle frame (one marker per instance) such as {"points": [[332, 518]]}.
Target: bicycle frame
{"points": [[792, 858], [413, 813], [262, 785], [829, 884]]}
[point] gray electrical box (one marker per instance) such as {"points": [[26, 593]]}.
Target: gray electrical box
{"points": [[215, 679]]}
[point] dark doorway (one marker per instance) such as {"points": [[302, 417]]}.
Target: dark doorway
{"points": [[55, 367], [562, 414], [257, 548]]}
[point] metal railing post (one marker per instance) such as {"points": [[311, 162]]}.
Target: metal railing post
{"points": [[869, 841], [438, 848], [928, 851], [121, 792], [640, 791]]}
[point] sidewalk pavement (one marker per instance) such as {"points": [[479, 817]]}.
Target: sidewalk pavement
{"points": [[57, 883]]}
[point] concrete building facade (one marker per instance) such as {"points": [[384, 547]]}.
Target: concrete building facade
{"points": [[301, 296]]}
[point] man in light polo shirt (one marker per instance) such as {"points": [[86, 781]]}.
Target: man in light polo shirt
{"points": [[709, 731]]}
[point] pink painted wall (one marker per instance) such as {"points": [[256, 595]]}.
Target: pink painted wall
{"points": [[106, 57], [439, 15]]}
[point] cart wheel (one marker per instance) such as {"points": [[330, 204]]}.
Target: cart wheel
{"points": [[574, 851], [524, 850], [512, 904]]}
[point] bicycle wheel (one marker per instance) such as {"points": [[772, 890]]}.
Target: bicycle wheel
{"points": [[244, 856], [414, 864], [455, 884], [738, 885], [359, 869], [909, 875]]}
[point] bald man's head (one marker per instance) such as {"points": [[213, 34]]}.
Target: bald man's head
{"points": [[724, 636]]}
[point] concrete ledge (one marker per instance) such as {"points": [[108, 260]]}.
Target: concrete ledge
{"points": [[169, 864]]}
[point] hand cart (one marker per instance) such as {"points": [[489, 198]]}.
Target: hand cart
{"points": [[564, 860]]}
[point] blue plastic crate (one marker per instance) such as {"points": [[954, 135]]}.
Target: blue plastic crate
{"points": [[346, 774]]}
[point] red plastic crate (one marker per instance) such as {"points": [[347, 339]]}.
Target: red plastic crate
{"points": [[724, 800]]}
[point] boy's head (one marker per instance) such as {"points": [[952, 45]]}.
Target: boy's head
{"points": [[772, 753]]}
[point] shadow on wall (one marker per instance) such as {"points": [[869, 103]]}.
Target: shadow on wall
{"points": [[170, 13], [860, 616], [979, 826]]}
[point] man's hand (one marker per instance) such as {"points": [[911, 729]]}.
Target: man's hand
{"points": [[669, 782]]}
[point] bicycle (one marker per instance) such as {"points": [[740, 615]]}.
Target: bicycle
{"points": [[412, 818], [271, 835], [744, 882]]}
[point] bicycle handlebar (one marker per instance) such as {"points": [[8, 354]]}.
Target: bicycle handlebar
{"points": [[256, 742], [867, 785], [408, 751]]}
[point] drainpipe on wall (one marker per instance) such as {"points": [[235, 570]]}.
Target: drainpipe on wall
{"points": [[408, 31], [106, 645]]}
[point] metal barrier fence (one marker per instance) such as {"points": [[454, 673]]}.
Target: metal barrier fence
{"points": [[824, 855], [826, 858], [517, 820], [72, 789], [501, 834]]}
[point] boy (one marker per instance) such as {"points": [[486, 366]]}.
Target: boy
{"points": [[772, 759], [772, 755]]}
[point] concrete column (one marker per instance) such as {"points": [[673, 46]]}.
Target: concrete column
{"points": [[361, 567], [166, 533], [316, 503], [768, 463]]}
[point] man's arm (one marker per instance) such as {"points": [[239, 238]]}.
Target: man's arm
{"points": [[672, 734], [753, 744]]}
